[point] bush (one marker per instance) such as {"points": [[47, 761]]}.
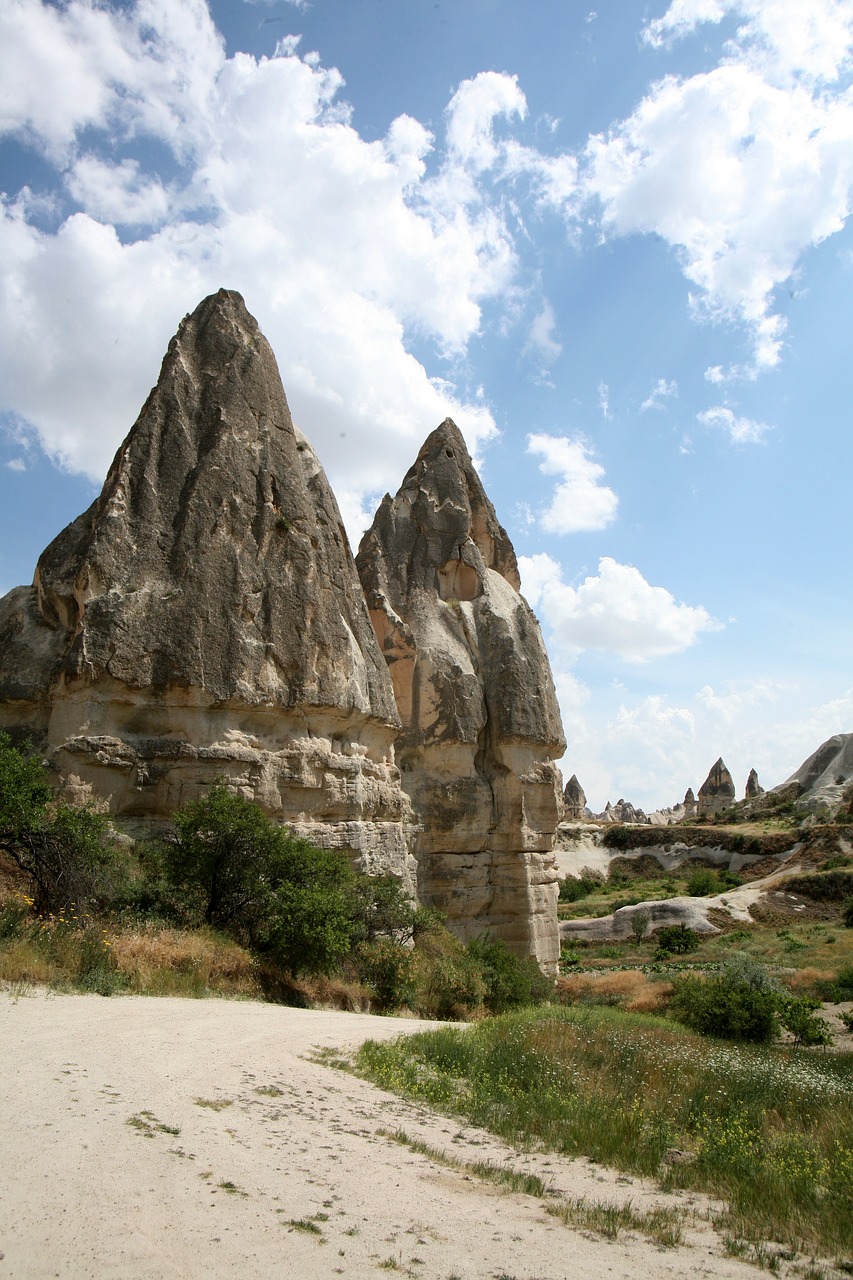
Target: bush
{"points": [[677, 939], [382, 910], [729, 1011], [64, 851], [511, 981], [797, 1015], [572, 889], [235, 869], [847, 913], [702, 882], [387, 968]]}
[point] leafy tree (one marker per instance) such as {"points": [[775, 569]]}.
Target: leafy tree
{"points": [[236, 869], [677, 939], [63, 849]]}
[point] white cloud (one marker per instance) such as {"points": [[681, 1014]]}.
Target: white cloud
{"points": [[617, 612], [661, 391], [580, 501], [783, 37], [742, 168], [604, 400], [740, 430], [341, 247], [542, 341]]}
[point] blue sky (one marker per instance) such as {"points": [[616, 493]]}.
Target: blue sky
{"points": [[611, 243]]}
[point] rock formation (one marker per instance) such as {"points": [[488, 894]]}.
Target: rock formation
{"points": [[481, 726], [823, 780], [623, 813], [689, 804], [574, 801], [204, 617], [753, 786], [717, 792]]}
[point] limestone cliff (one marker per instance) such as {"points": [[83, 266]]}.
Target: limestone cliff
{"points": [[481, 726], [204, 617]]}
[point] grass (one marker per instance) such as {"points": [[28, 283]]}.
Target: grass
{"points": [[660, 1225], [770, 1130]]}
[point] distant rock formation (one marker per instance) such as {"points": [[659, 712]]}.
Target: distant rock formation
{"points": [[481, 725], [574, 801], [823, 781], [204, 617], [754, 788], [689, 804], [717, 792], [623, 813]]}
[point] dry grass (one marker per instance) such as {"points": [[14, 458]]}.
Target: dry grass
{"points": [[22, 961], [321, 992], [164, 961], [629, 989]]}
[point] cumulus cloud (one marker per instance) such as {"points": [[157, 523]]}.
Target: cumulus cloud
{"points": [[616, 611], [739, 430], [343, 248], [741, 168], [580, 501]]}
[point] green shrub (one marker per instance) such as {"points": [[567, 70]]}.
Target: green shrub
{"points": [[64, 851], [728, 1011], [797, 1015], [677, 939], [511, 981], [843, 985], [278, 893], [387, 969], [702, 882], [847, 913], [382, 910], [826, 886], [572, 889]]}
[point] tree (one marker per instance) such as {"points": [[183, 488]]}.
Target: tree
{"points": [[238, 870], [63, 849]]}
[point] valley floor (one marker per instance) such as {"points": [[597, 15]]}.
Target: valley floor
{"points": [[144, 1137]]}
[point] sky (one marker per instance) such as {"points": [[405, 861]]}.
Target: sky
{"points": [[611, 243]]}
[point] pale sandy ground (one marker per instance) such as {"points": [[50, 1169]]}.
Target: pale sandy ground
{"points": [[83, 1192]]}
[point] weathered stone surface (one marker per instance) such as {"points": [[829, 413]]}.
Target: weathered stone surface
{"points": [[689, 803], [823, 780], [717, 792], [481, 725], [753, 786], [574, 801], [204, 618], [623, 812]]}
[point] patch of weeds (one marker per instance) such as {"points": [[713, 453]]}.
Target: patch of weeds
{"points": [[146, 1123], [270, 1091], [662, 1225], [231, 1188], [214, 1104], [303, 1224]]}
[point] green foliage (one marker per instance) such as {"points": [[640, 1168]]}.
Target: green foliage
{"points": [[847, 912], [235, 869], [797, 1015], [382, 910], [573, 889], [825, 886], [511, 981], [728, 1011], [640, 922], [702, 882], [677, 939], [843, 985], [63, 850], [387, 968], [847, 1019]]}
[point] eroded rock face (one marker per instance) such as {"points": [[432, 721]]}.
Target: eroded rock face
{"points": [[689, 803], [204, 618], [717, 792], [481, 725], [574, 801], [753, 786]]}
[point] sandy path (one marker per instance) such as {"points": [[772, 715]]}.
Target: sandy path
{"points": [[93, 1183]]}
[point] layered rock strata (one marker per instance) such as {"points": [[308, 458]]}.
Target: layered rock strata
{"points": [[480, 722], [716, 793], [204, 617]]}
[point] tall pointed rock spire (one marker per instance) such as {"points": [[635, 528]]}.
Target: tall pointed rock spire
{"points": [[481, 725]]}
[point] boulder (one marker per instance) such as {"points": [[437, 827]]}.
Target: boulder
{"points": [[204, 619], [717, 792], [481, 727]]}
